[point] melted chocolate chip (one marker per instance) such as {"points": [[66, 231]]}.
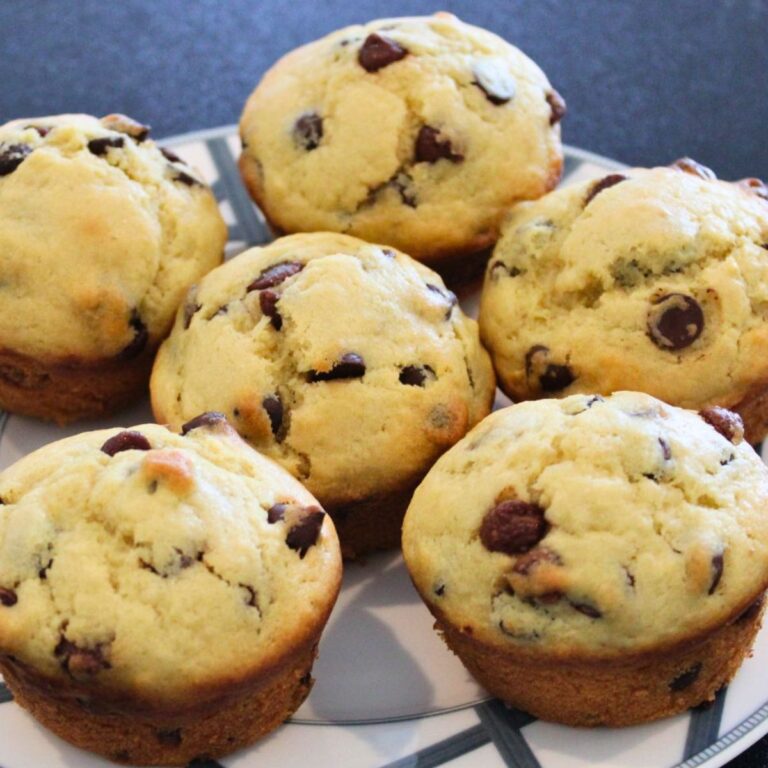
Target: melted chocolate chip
{"points": [[129, 440], [686, 679], [756, 187], [170, 155], [274, 275], [126, 125], [80, 661], [349, 366], [557, 108], [492, 78], [666, 451], [687, 165], [448, 296], [499, 268], [403, 183], [430, 149], [268, 303], [140, 338], [308, 131], [675, 321], [607, 181], [727, 423], [533, 558], [169, 738], [304, 533], [378, 51], [100, 146], [207, 419], [12, 156], [587, 610], [439, 590], [416, 375], [41, 130], [717, 572], [185, 178], [752, 610], [513, 527], [273, 405], [556, 377], [190, 308], [8, 597]]}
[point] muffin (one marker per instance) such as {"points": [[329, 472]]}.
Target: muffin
{"points": [[101, 233], [349, 364], [416, 132], [595, 561], [161, 596], [651, 280]]}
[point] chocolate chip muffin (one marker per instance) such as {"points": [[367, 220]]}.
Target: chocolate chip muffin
{"points": [[651, 280], [348, 363], [101, 233], [415, 132], [595, 561], [161, 596]]}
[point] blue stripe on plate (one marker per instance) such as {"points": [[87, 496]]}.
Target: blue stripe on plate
{"points": [[446, 750], [571, 164], [704, 726], [249, 226], [503, 725], [5, 694]]}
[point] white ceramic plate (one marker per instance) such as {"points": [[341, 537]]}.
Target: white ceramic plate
{"points": [[388, 692]]}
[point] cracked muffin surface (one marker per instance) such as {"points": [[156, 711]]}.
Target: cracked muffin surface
{"points": [[101, 233], [417, 132], [592, 527], [157, 570], [647, 279], [348, 363]]}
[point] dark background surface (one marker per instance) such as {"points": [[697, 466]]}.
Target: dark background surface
{"points": [[646, 81]]}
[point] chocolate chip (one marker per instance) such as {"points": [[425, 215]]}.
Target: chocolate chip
{"points": [[12, 156], [752, 610], [556, 377], [308, 131], [268, 303], [675, 321], [416, 375], [273, 405], [686, 679], [439, 590], [207, 419], [533, 558], [304, 533], [349, 366], [128, 440], [630, 577], [403, 183], [687, 165], [80, 661], [185, 178], [448, 296], [190, 308], [727, 423], [494, 81], [717, 572], [607, 181], [430, 149], [169, 738], [100, 146], [378, 51], [276, 513], [557, 106], [587, 610], [170, 155], [756, 187], [274, 275], [513, 527], [499, 268], [41, 130], [140, 338], [666, 451], [126, 125], [8, 597]]}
